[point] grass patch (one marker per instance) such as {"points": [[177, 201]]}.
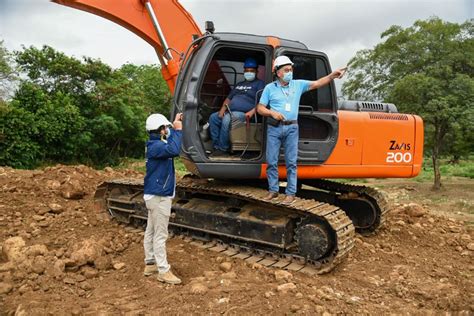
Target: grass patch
{"points": [[132, 164], [139, 165], [179, 166], [464, 169], [465, 206]]}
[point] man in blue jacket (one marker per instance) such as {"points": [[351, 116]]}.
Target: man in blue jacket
{"points": [[164, 144]]}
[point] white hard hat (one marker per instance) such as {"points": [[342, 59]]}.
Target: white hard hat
{"points": [[154, 121], [281, 61]]}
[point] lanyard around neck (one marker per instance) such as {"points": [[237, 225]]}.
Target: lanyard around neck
{"points": [[286, 93]]}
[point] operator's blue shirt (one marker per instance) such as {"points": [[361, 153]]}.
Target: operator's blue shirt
{"points": [[278, 96], [242, 97]]}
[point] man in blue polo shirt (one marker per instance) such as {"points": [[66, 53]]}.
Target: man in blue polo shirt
{"points": [[240, 104], [280, 102]]}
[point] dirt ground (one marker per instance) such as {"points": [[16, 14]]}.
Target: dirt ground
{"points": [[62, 256]]}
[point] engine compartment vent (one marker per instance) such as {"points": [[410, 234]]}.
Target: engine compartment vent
{"points": [[388, 116], [372, 106], [366, 106]]}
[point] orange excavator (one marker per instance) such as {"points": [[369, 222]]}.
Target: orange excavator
{"points": [[220, 205]]}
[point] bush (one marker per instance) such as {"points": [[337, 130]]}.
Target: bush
{"points": [[72, 111]]}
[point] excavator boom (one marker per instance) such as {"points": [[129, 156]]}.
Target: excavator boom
{"points": [[141, 17]]}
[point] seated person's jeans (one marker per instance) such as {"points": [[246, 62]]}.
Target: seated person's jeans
{"points": [[286, 136], [219, 128]]}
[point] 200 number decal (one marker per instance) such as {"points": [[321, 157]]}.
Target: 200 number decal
{"points": [[398, 157]]}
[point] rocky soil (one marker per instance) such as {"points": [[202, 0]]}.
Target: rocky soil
{"points": [[60, 255]]}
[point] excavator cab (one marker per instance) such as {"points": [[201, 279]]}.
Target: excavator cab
{"points": [[213, 69]]}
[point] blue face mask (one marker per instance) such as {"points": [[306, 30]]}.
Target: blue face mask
{"points": [[287, 77], [249, 76]]}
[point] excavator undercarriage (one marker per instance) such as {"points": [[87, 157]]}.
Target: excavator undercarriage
{"points": [[313, 234]]}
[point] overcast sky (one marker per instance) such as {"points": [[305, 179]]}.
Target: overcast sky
{"points": [[337, 27]]}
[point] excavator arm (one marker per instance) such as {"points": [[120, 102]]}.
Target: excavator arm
{"points": [[164, 24]]}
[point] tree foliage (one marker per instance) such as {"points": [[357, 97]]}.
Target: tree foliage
{"points": [[7, 72], [426, 69], [69, 110]]}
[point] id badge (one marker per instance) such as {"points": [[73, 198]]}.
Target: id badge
{"points": [[288, 107]]}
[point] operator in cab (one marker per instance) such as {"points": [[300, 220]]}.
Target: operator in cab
{"points": [[280, 103], [163, 145], [239, 104]]}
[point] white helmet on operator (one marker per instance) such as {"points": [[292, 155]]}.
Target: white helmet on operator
{"points": [[155, 121], [281, 61]]}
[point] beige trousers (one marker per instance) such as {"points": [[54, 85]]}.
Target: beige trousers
{"points": [[156, 233]]}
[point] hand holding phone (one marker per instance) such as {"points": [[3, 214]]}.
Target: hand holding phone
{"points": [[178, 121]]}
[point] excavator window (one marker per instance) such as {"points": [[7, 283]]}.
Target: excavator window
{"points": [[311, 68], [317, 118]]}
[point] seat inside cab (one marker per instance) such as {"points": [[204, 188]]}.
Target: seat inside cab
{"points": [[224, 72]]}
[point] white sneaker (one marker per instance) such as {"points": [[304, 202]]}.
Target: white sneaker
{"points": [[168, 277]]}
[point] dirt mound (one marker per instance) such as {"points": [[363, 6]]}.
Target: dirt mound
{"points": [[58, 250]]}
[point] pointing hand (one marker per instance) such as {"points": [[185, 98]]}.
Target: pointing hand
{"points": [[338, 73]]}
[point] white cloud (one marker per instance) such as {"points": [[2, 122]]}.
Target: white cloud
{"points": [[72, 31], [337, 27]]}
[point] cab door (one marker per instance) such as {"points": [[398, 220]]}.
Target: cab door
{"points": [[317, 116]]}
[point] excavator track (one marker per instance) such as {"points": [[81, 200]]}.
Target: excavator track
{"points": [[366, 207], [308, 236]]}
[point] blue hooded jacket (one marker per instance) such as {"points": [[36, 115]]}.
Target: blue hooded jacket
{"points": [[160, 174]]}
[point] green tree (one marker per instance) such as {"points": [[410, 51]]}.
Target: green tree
{"points": [[69, 110], [122, 104], [426, 69], [460, 142], [54, 71], [7, 72], [39, 127], [149, 81], [16, 128]]}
